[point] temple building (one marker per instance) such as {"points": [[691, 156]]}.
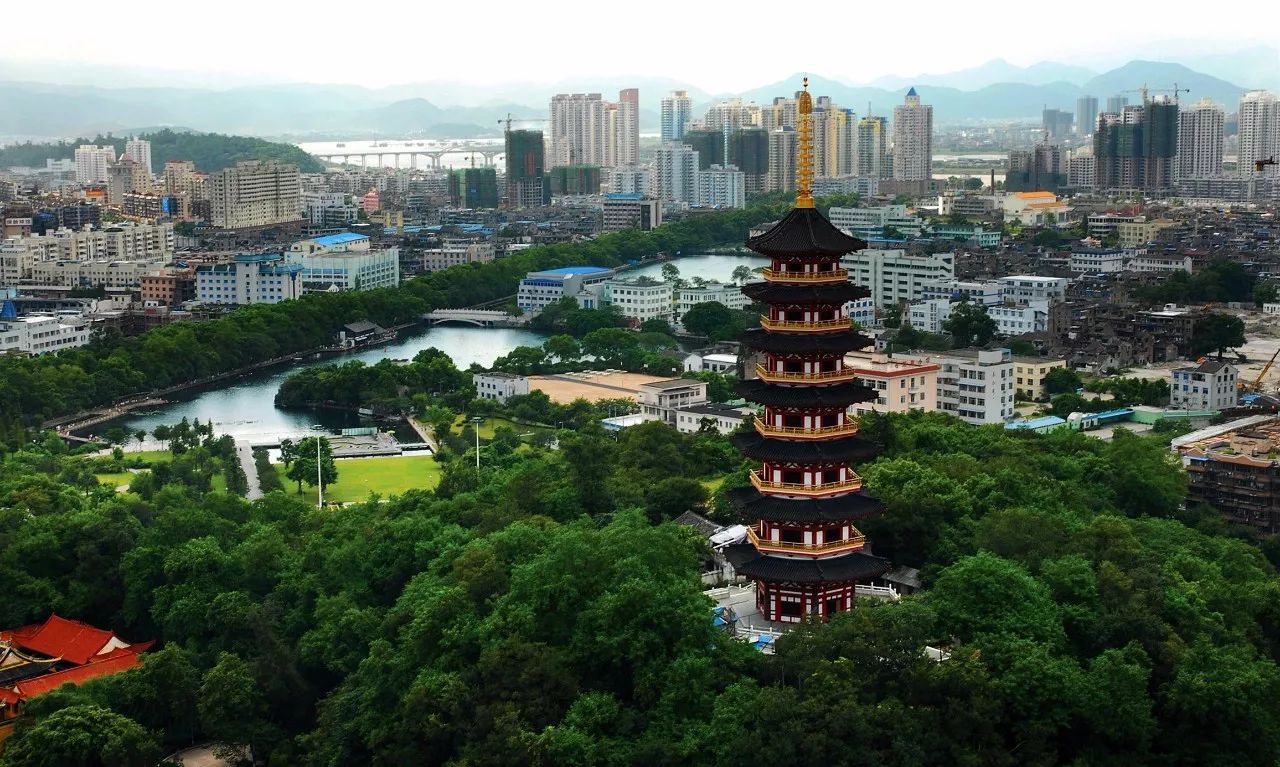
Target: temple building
{"points": [[804, 551], [42, 657]]}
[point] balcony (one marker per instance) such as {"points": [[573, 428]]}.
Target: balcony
{"points": [[847, 429], [835, 275], [852, 484], [853, 543], [804, 326], [824, 376]]}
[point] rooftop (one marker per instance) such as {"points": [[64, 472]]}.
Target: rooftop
{"points": [[672, 383], [339, 239], [1206, 366], [569, 271]]}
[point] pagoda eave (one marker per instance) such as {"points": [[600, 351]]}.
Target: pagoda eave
{"points": [[847, 568], [753, 445], [850, 507]]}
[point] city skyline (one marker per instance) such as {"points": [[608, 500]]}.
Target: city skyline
{"points": [[1127, 35]]}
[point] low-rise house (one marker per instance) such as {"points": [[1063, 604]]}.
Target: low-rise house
{"points": [[1211, 385], [499, 386]]}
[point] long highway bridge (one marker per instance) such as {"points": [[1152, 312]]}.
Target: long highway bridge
{"points": [[377, 154]]}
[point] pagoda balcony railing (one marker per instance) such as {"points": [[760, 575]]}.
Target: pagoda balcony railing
{"points": [[834, 275], [795, 488], [853, 543], [821, 376], [805, 326], [802, 432]]}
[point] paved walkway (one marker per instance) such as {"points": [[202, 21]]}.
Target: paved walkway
{"points": [[245, 453]]}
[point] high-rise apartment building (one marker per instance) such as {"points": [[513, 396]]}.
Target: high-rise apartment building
{"points": [[871, 157], [782, 159], [622, 129], [709, 144], [126, 177], [526, 169], [912, 139], [677, 113], [1056, 123], [1259, 129], [1038, 169], [577, 129], [1200, 136], [1081, 169], [731, 113], [253, 194], [722, 186], [676, 175], [1086, 115], [749, 151], [92, 161], [139, 150], [1136, 148], [631, 179], [1117, 104]]}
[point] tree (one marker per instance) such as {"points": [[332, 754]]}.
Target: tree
{"points": [[1061, 380], [116, 435], [1217, 332], [304, 463], [973, 183], [670, 272], [288, 452], [563, 347], [969, 324], [232, 709], [1265, 293], [713, 320], [141, 436], [672, 497], [741, 274], [81, 736]]}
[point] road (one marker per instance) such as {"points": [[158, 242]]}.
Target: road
{"points": [[245, 454]]}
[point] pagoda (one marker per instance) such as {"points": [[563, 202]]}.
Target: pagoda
{"points": [[804, 551]]}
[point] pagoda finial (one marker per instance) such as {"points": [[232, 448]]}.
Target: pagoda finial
{"points": [[804, 149]]}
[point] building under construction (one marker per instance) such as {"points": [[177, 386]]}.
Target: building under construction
{"points": [[570, 180], [749, 150], [1235, 468], [1136, 149], [474, 188], [526, 169]]}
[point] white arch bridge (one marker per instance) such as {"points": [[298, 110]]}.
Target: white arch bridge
{"points": [[375, 156], [481, 318]]}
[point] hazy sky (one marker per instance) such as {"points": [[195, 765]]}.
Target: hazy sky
{"points": [[716, 45]]}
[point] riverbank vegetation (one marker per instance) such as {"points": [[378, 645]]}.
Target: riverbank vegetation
{"points": [[545, 610], [33, 389], [209, 151]]}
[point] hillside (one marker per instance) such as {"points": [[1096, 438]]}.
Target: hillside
{"points": [[209, 151]]}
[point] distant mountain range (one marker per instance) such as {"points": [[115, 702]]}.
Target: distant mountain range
{"points": [[995, 90]]}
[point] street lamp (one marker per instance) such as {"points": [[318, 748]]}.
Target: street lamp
{"points": [[476, 421], [319, 470]]}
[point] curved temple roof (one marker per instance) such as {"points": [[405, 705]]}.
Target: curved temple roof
{"points": [[843, 449], [831, 395], [850, 567], [842, 508], [804, 232]]}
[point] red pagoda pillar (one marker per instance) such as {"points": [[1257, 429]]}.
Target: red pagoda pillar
{"points": [[805, 552]]}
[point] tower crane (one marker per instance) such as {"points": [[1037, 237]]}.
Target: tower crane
{"points": [[509, 120], [1144, 90]]}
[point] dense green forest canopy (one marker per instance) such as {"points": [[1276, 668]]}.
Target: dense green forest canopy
{"points": [[35, 388], [209, 151], [545, 611]]}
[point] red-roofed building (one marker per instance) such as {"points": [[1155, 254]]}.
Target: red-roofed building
{"points": [[42, 657]]}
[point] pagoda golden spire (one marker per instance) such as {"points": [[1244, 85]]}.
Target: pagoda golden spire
{"points": [[804, 149]]}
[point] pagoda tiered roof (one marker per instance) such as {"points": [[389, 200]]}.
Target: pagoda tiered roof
{"points": [[777, 292], [804, 232], [844, 449], [832, 395], [850, 507], [779, 342], [842, 569]]}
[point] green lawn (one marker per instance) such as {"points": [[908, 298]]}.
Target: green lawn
{"points": [[148, 456], [490, 423], [385, 475], [712, 485], [116, 479]]}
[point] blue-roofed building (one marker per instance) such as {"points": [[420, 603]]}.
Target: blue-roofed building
{"points": [[251, 278], [1041, 425], [539, 290], [344, 261]]}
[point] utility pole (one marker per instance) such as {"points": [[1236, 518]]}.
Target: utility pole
{"points": [[319, 478]]}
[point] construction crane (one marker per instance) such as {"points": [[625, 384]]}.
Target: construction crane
{"points": [[509, 120], [1144, 90], [1256, 384]]}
